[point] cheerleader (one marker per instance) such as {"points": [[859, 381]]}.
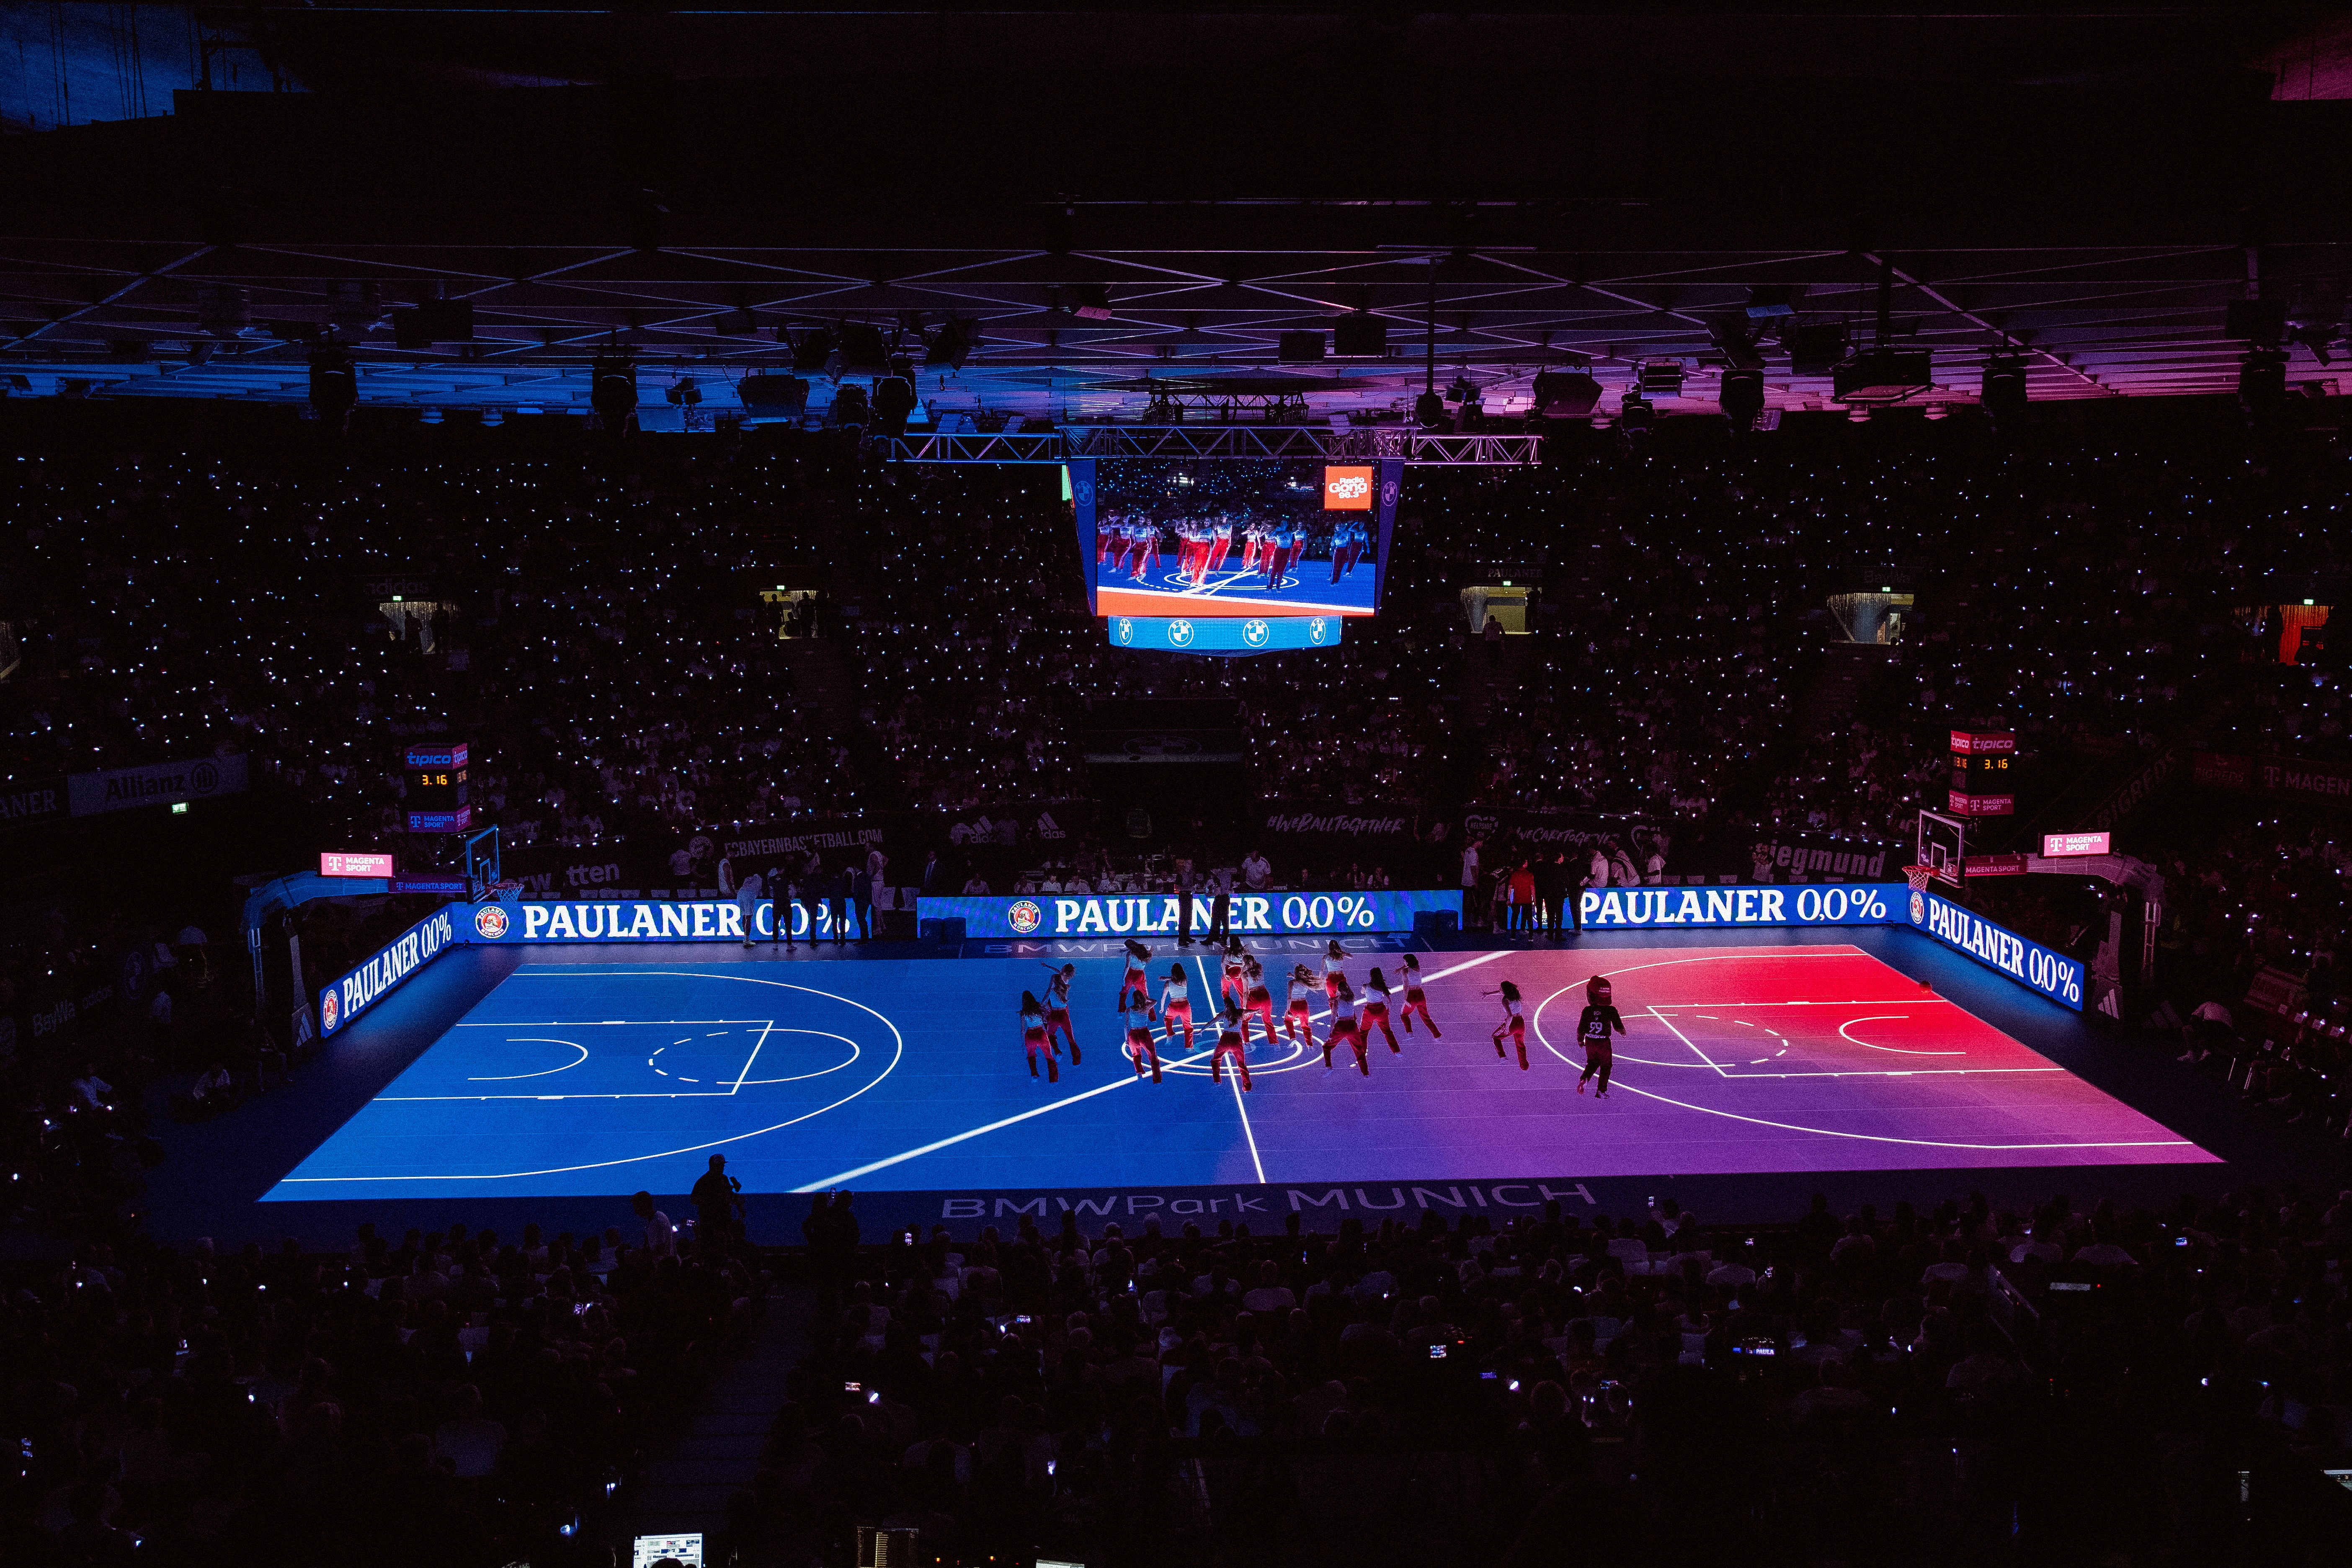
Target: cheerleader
{"points": [[1175, 1008], [1513, 1024], [1137, 955], [1259, 1002], [1334, 958], [1416, 1000], [1593, 1029], [1145, 546], [1108, 536], [1058, 1006], [1376, 1013], [1034, 1038], [1229, 1044], [1139, 1043], [1231, 990], [1343, 1027], [1299, 1019], [1253, 541], [1221, 542]]}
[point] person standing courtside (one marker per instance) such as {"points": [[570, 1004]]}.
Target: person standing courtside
{"points": [[1221, 904], [861, 901], [1182, 885]]}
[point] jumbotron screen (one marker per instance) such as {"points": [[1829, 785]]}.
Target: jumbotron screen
{"points": [[1234, 538]]}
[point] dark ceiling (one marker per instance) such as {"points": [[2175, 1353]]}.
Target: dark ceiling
{"points": [[2095, 183]]}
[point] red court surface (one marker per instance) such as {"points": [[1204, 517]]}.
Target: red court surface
{"points": [[1736, 1059]]}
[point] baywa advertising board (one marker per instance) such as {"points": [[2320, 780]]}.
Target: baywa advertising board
{"points": [[1160, 914]]}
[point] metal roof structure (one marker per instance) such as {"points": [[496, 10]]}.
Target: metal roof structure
{"points": [[1501, 194]]}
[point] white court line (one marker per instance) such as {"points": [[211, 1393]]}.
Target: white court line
{"points": [[1234, 1083], [1916, 1142], [535, 1040], [1899, 1051], [1685, 1039], [736, 1087], [841, 1177], [607, 1023], [896, 1058]]}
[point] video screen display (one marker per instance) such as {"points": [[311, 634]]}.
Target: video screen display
{"points": [[1234, 538]]}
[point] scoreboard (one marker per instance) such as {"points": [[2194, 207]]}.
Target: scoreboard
{"points": [[1983, 773], [438, 799]]}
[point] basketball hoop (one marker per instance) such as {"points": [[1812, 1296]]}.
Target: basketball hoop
{"points": [[1918, 876]]}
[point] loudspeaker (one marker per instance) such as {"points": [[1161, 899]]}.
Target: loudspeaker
{"points": [[1815, 348], [1361, 336], [2260, 322], [1742, 397], [774, 396], [2003, 396], [811, 350], [1565, 395]]}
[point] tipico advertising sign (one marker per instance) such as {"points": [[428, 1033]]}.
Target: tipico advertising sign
{"points": [[1157, 914], [398, 959], [2029, 963]]}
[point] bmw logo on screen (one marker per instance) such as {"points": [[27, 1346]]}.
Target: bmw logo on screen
{"points": [[1125, 629], [1180, 634], [1317, 629], [1255, 633]]}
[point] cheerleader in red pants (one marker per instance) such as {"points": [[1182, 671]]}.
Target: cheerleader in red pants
{"points": [[1232, 990], [1335, 959], [1058, 1006], [1344, 1027], [1259, 1002], [1139, 1043], [1223, 541], [1416, 1000], [1513, 1024], [1134, 985], [1034, 1038], [1107, 537], [1147, 550], [1299, 1019], [1229, 1044], [1376, 1012], [1176, 1007]]}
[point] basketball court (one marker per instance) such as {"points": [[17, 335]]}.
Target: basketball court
{"points": [[907, 1075]]}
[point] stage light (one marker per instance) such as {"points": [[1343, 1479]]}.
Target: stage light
{"points": [[1089, 302], [1635, 414], [1429, 411], [2003, 395], [1662, 375]]}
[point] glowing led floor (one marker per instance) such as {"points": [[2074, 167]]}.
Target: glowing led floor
{"points": [[908, 1076]]}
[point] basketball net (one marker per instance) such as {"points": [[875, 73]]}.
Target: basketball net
{"points": [[1918, 876]]}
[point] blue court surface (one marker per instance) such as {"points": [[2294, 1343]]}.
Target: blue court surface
{"points": [[907, 1075]]}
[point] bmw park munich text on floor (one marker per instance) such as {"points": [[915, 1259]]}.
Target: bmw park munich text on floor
{"points": [[908, 1075]]}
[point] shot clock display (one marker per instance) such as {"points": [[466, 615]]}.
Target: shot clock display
{"points": [[436, 788], [1983, 773]]}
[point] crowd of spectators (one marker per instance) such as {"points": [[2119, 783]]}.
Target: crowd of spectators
{"points": [[453, 1396], [1912, 1385]]}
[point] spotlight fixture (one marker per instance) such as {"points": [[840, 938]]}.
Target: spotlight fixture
{"points": [[613, 388], [334, 382], [1635, 414]]}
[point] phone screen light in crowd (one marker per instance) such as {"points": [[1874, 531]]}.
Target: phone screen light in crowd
{"points": [[179, 808], [648, 1550], [1437, 1352], [2073, 1285], [2311, 602]]}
